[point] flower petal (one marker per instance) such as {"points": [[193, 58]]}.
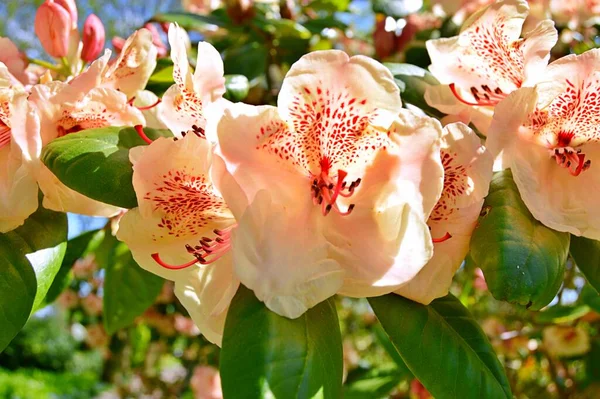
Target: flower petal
{"points": [[280, 253], [385, 241], [136, 62], [340, 84], [206, 292]]}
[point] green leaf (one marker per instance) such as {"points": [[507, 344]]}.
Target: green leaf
{"points": [[412, 82], [76, 249], [523, 261], [237, 87], [329, 5], [96, 162], [267, 355], [254, 56], [372, 383], [590, 297], [282, 28], [443, 346], [190, 21], [128, 289], [561, 314], [586, 254], [30, 257], [317, 25]]}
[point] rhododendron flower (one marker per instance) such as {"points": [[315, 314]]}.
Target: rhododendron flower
{"points": [[487, 61], [467, 175], [565, 341], [181, 229], [339, 181], [129, 73], [18, 188], [16, 62], [183, 104], [64, 109], [550, 138]]}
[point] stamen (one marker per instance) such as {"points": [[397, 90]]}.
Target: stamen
{"points": [[490, 98], [326, 193], [572, 160], [446, 237], [162, 263], [4, 134], [147, 107], [140, 131]]}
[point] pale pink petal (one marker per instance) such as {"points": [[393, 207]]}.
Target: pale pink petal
{"points": [[467, 175], [206, 292], [15, 61], [280, 254], [136, 62]]}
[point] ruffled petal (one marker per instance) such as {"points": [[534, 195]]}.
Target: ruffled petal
{"points": [[554, 197], [467, 175], [136, 62], [208, 76], [206, 292], [341, 85], [385, 241], [279, 252]]}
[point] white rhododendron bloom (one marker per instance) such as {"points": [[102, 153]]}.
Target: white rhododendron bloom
{"points": [[467, 175], [18, 187], [487, 61], [185, 104], [182, 227], [129, 73], [338, 180], [551, 140]]}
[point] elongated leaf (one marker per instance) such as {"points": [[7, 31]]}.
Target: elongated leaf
{"points": [[96, 162], [372, 383], [562, 314], [190, 21], [412, 82], [267, 355], [128, 289], [523, 261], [282, 28], [30, 257], [443, 346], [76, 248], [586, 253]]}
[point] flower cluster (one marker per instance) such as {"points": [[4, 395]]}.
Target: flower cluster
{"points": [[338, 189]]}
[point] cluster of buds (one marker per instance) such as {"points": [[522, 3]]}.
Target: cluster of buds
{"points": [[56, 24]]}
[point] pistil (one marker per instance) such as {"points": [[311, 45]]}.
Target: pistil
{"points": [[326, 193]]}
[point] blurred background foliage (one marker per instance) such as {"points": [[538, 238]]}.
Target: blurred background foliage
{"points": [[88, 343]]}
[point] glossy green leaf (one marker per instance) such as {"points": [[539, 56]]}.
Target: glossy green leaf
{"points": [[237, 87], [317, 25], [443, 346], [412, 82], [561, 314], [128, 289], [96, 162], [586, 254], [590, 297], [329, 5], [372, 383], [191, 21], [30, 257], [267, 355], [254, 56], [282, 28], [523, 261], [76, 248]]}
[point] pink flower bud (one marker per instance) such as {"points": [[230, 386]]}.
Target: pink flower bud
{"points": [[71, 8], [118, 43], [93, 38], [53, 26]]}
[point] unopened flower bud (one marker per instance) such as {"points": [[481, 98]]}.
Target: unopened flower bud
{"points": [[93, 38], [52, 26], [71, 8]]}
